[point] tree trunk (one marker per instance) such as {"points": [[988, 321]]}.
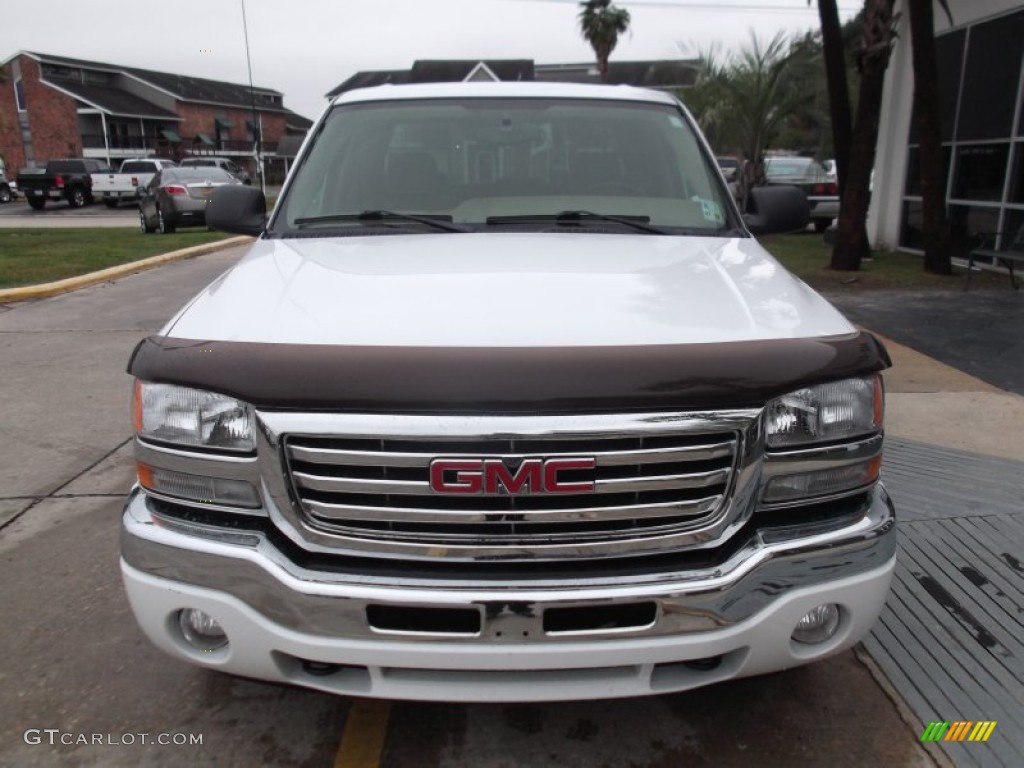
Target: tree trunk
{"points": [[604, 53], [929, 132], [851, 239], [838, 92]]}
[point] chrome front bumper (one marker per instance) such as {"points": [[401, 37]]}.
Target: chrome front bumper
{"points": [[286, 622]]}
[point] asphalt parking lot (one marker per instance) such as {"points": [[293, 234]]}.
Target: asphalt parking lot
{"points": [[61, 215], [77, 666]]}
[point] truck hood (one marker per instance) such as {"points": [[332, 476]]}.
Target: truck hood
{"points": [[507, 290]]}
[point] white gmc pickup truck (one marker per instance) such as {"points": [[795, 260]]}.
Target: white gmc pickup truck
{"points": [[506, 403]]}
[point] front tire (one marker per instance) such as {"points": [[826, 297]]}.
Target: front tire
{"points": [[77, 198], [820, 225], [164, 223], [5, 194], [37, 203], [111, 202]]}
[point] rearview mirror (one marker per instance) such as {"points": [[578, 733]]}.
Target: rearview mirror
{"points": [[775, 209], [239, 209]]}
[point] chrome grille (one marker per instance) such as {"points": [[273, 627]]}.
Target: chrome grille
{"points": [[657, 479]]}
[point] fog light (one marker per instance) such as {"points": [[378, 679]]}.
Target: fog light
{"points": [[201, 630], [817, 625]]}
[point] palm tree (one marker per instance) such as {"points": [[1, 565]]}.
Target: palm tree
{"points": [[601, 23], [839, 93], [744, 99], [929, 133], [878, 37], [876, 44]]}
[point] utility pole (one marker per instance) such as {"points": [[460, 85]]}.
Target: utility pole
{"points": [[252, 99]]}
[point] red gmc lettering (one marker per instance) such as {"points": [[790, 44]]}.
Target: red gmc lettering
{"points": [[528, 476], [474, 476], [466, 480], [554, 466]]}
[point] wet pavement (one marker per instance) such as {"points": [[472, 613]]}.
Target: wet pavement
{"points": [[980, 332]]}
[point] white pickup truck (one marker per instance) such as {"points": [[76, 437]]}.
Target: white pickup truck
{"points": [[506, 403], [127, 184]]}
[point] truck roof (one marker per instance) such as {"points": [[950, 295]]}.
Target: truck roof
{"points": [[503, 90]]}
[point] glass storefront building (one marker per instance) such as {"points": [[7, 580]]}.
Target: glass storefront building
{"points": [[981, 92]]}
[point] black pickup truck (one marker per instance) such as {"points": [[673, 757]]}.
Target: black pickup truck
{"points": [[68, 179]]}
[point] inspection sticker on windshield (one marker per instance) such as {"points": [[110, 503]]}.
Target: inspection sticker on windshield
{"points": [[712, 211], [675, 121]]}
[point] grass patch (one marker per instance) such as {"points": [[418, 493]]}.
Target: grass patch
{"points": [[807, 256], [31, 256]]}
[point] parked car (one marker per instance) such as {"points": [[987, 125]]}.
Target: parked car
{"points": [[730, 168], [218, 162], [177, 197], [487, 416], [809, 175], [67, 179], [8, 189], [130, 180]]}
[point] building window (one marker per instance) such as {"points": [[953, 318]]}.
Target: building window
{"points": [[991, 80], [980, 171], [1017, 179], [19, 95], [981, 95], [55, 71], [967, 223]]}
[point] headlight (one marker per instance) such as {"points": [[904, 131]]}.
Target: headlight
{"points": [[839, 410], [192, 418]]}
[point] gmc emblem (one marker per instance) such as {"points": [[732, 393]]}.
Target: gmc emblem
{"points": [[489, 476]]}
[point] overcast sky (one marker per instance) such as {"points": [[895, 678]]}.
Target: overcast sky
{"points": [[303, 48]]}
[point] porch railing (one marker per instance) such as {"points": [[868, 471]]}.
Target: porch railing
{"points": [[164, 147]]}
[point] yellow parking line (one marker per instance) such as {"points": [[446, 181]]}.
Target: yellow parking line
{"points": [[366, 727]]}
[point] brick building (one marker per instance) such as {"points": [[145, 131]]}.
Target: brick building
{"points": [[54, 106]]}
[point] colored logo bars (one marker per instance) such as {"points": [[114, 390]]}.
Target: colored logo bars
{"points": [[959, 730]]}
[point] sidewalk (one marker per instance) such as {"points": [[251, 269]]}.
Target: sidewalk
{"points": [[950, 638]]}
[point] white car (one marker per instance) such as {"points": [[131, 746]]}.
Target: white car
{"points": [[505, 403]]}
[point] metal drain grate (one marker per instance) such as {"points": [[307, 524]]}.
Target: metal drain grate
{"points": [[951, 638]]}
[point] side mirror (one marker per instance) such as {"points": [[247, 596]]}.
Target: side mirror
{"points": [[777, 208], [239, 209]]}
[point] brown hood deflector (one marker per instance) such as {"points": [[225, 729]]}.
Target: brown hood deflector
{"points": [[506, 379]]}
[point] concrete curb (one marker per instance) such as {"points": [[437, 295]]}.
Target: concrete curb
{"points": [[44, 290]]}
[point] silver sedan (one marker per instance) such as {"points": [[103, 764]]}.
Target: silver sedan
{"points": [[177, 197]]}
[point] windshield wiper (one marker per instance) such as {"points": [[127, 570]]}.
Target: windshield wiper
{"points": [[575, 217], [441, 222]]}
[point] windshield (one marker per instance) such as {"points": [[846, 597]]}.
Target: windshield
{"points": [[475, 160], [793, 167], [196, 174]]}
